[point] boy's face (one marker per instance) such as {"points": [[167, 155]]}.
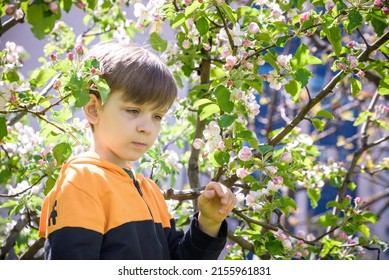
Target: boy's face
{"points": [[124, 131]]}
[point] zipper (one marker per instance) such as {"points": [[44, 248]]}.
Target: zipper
{"points": [[137, 186]]}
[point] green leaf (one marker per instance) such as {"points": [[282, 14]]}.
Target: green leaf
{"points": [[335, 37], [191, 8], [91, 4], [325, 114], [356, 86], [41, 19], [3, 128], [302, 75], [178, 20], [229, 12], [103, 88], [223, 99], [209, 110], [274, 247], [314, 196], [328, 220], [62, 152], [303, 58], [200, 102], [293, 88], [379, 26], [9, 203], [370, 217], [256, 84], [218, 158], [264, 149], [202, 26], [157, 43], [362, 118], [318, 124], [82, 98], [50, 182], [44, 76], [364, 229], [383, 88], [227, 120], [354, 20]]}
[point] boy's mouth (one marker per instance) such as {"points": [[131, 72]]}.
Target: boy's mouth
{"points": [[139, 144]]}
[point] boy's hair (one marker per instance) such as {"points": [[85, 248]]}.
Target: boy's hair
{"points": [[142, 76]]}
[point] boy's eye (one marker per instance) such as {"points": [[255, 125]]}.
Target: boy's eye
{"points": [[158, 117], [132, 111]]}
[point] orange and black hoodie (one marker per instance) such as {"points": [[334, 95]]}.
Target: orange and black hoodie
{"points": [[97, 210]]}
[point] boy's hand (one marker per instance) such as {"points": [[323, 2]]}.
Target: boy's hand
{"points": [[215, 203]]}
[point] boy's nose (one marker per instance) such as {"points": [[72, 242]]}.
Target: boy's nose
{"points": [[144, 127]]}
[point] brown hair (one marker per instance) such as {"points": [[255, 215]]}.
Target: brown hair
{"points": [[142, 76]]}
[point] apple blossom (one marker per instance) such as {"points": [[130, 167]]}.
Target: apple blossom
{"points": [[287, 243], [353, 61], [198, 143], [275, 80], [245, 153], [212, 135], [286, 157], [298, 254], [186, 44], [284, 60], [19, 14], [305, 253], [253, 28], [242, 172], [271, 186], [53, 56], [385, 10], [271, 170]]}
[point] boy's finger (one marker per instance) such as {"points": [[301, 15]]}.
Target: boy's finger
{"points": [[218, 187], [209, 194]]}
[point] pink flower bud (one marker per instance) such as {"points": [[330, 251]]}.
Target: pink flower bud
{"points": [[298, 255], [79, 49], [378, 3], [329, 5], [56, 84], [229, 83], [80, 5], [286, 157], [198, 143], [385, 10], [70, 56], [348, 197], [53, 6], [361, 74], [278, 180], [242, 172], [206, 47], [304, 17], [305, 253], [53, 56], [41, 162], [10, 10], [245, 153], [358, 200], [246, 43], [221, 146], [93, 70], [253, 28]]}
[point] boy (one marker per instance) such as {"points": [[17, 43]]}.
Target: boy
{"points": [[100, 208]]}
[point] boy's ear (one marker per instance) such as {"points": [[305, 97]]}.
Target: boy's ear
{"points": [[92, 108]]}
